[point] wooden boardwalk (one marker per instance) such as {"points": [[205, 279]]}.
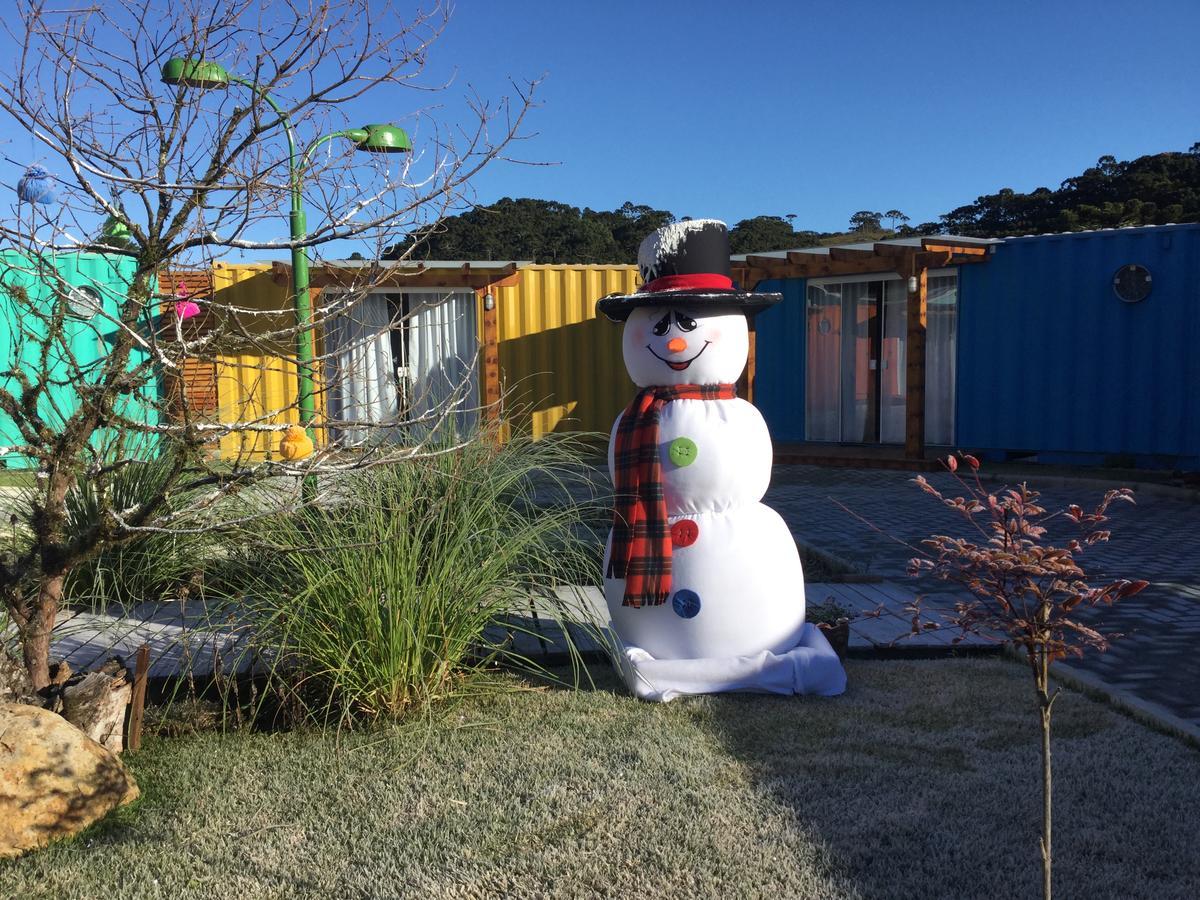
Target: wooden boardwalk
{"points": [[182, 636], [188, 636]]}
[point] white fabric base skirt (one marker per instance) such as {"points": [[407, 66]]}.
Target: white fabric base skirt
{"points": [[811, 667]]}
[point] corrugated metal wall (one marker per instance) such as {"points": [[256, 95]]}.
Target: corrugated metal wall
{"points": [[256, 381], [780, 359], [560, 365], [1051, 360], [107, 278]]}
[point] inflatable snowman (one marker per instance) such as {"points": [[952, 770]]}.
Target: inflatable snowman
{"points": [[702, 580]]}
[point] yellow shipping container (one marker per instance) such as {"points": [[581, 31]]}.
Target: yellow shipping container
{"points": [[256, 380], [560, 365]]}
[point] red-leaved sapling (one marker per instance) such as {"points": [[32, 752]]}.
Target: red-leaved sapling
{"points": [[1021, 589]]}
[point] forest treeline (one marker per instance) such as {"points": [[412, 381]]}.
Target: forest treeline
{"points": [[1149, 190]]}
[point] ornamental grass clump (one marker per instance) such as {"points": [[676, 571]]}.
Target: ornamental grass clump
{"points": [[143, 566], [1023, 590], [121, 564], [398, 593]]}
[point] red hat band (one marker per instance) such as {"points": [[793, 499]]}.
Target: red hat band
{"points": [[700, 281]]}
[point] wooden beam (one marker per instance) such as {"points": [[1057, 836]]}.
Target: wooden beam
{"points": [[961, 246], [491, 355], [914, 395], [849, 254], [872, 266], [957, 251], [881, 259], [137, 702], [748, 277], [896, 251], [765, 262], [800, 257]]}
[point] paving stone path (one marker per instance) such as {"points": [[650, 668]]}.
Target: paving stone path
{"points": [[1157, 660]]}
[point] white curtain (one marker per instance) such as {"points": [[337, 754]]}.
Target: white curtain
{"points": [[941, 335], [360, 374], [838, 404], [822, 383], [442, 373]]}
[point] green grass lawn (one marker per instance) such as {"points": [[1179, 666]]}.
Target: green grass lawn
{"points": [[920, 782], [17, 478]]}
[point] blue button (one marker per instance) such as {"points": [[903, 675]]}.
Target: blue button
{"points": [[686, 604]]}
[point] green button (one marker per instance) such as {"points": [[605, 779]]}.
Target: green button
{"points": [[682, 451]]}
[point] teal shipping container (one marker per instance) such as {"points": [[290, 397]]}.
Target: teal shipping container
{"points": [[81, 294]]}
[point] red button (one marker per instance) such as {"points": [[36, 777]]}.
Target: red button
{"points": [[684, 533]]}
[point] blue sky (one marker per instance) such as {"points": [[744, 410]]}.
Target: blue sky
{"points": [[732, 110], [821, 109]]}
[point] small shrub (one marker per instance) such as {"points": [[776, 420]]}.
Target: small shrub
{"points": [[1022, 589], [387, 600], [828, 612]]}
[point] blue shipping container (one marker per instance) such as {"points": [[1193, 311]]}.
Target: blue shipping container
{"points": [[779, 360], [1052, 361]]}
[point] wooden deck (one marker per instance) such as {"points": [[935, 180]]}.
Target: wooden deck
{"points": [[857, 456], [182, 637], [187, 637]]}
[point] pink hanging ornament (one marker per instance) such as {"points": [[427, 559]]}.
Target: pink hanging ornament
{"points": [[185, 308]]}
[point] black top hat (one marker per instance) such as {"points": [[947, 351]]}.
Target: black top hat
{"points": [[685, 263]]}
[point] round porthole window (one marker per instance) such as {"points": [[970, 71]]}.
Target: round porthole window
{"points": [[84, 302], [1132, 283]]}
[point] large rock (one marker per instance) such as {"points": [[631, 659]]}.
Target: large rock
{"points": [[54, 780], [15, 684]]}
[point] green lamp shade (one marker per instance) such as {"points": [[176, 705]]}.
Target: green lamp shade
{"points": [[385, 139], [199, 73], [115, 228]]}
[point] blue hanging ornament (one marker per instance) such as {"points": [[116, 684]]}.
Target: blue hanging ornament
{"points": [[36, 186]]}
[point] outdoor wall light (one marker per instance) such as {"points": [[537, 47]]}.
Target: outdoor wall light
{"points": [[380, 139], [198, 73], [912, 284], [489, 302]]}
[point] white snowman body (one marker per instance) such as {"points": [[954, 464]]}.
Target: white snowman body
{"points": [[737, 587]]}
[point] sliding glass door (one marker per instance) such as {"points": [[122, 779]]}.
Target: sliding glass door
{"points": [[856, 338]]}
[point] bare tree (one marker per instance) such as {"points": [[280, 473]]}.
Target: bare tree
{"points": [[182, 175]]}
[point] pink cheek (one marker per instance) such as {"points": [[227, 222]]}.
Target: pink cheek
{"points": [[639, 336], [713, 336]]}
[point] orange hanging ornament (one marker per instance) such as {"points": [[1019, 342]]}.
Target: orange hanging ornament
{"points": [[296, 444]]}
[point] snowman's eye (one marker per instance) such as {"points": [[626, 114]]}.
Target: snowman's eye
{"points": [[685, 324], [662, 325]]}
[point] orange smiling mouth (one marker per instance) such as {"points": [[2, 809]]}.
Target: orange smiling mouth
{"points": [[682, 364]]}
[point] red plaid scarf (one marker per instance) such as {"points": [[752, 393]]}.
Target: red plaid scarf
{"points": [[641, 540]]}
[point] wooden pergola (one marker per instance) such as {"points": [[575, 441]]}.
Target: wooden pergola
{"points": [[911, 262]]}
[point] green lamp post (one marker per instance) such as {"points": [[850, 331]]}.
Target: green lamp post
{"points": [[205, 74]]}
